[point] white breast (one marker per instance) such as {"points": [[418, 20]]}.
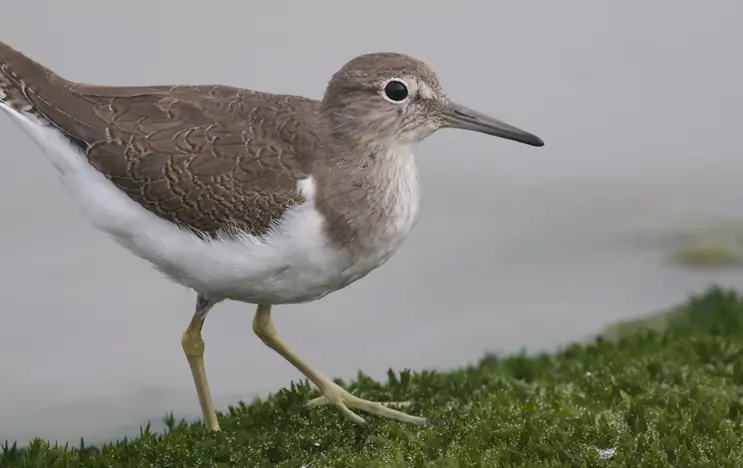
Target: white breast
{"points": [[293, 263]]}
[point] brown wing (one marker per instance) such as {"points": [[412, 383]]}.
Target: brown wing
{"points": [[205, 157]]}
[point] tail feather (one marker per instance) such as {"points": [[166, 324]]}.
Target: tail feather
{"points": [[16, 101], [19, 73], [10, 91]]}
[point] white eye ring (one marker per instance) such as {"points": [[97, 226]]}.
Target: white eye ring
{"points": [[395, 90]]}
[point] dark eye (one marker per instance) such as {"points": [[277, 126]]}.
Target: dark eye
{"points": [[396, 91]]}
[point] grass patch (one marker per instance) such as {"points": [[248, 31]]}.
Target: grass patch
{"points": [[709, 254], [719, 245], [667, 396]]}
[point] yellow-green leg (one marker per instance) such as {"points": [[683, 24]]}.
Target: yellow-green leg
{"points": [[332, 393], [193, 346]]}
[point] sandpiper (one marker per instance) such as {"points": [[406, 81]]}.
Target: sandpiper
{"points": [[243, 195]]}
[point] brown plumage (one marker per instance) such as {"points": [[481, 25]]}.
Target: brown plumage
{"points": [[203, 157]]}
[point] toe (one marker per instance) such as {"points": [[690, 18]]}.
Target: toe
{"points": [[315, 402], [355, 418]]}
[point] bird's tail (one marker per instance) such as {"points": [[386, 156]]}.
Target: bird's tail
{"points": [[20, 76], [13, 90]]}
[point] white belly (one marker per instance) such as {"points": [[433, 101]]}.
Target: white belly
{"points": [[294, 263]]}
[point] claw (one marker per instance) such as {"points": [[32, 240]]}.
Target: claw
{"points": [[343, 400]]}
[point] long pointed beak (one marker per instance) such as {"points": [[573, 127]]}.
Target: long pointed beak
{"points": [[459, 116]]}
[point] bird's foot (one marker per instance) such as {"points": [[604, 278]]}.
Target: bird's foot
{"points": [[339, 397]]}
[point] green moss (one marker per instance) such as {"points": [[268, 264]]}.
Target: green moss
{"points": [[652, 396], [706, 255], [717, 245]]}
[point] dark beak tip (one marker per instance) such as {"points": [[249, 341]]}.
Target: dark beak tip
{"points": [[461, 117], [538, 142]]}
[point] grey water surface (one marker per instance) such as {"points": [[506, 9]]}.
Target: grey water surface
{"points": [[639, 104]]}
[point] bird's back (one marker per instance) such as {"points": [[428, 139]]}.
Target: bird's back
{"points": [[204, 157]]}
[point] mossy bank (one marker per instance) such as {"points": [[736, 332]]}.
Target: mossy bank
{"points": [[667, 395]]}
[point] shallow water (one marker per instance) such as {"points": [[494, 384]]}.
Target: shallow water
{"points": [[517, 247]]}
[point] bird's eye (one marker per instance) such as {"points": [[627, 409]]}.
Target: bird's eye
{"points": [[396, 91]]}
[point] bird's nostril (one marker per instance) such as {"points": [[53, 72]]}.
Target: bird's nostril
{"points": [[462, 114]]}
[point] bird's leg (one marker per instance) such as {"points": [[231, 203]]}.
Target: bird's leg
{"points": [[332, 393], [193, 346]]}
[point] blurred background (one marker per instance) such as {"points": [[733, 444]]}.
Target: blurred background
{"points": [[517, 247]]}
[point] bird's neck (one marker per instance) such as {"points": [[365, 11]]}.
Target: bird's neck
{"points": [[373, 179], [349, 138], [361, 154], [339, 130]]}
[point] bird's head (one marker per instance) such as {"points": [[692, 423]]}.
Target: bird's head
{"points": [[395, 97]]}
